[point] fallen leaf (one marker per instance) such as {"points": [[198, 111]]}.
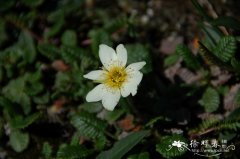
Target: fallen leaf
{"points": [[59, 65], [229, 103], [126, 124]]}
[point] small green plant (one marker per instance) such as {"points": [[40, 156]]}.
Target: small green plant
{"points": [[46, 48]]}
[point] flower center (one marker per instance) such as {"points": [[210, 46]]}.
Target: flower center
{"points": [[115, 77]]}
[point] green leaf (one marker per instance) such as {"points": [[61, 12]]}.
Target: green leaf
{"points": [[19, 140], [153, 121], [7, 105], [14, 91], [235, 64], [50, 51], [116, 24], [170, 60], [88, 125], [99, 37], [57, 18], [75, 139], [138, 53], [32, 84], [236, 99], [143, 155], [42, 99], [47, 150], [26, 43], [210, 58], [226, 21], [167, 150], [122, 146], [71, 54], [188, 57], [19, 122], [91, 107], [201, 10], [210, 100], [212, 35], [62, 82], [73, 152], [100, 143], [235, 114], [112, 116], [69, 38], [226, 48]]}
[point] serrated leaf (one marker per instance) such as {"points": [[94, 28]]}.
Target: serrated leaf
{"points": [[210, 58], [26, 43], [167, 150], [14, 91], [19, 122], [19, 140], [210, 100], [188, 57], [171, 60], [226, 48], [100, 143], [71, 54], [75, 139], [50, 51], [47, 150], [69, 38], [73, 152], [138, 53], [122, 146], [88, 125]]}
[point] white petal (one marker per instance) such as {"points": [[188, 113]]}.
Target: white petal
{"points": [[95, 94], [130, 86], [110, 98], [135, 66], [127, 88], [121, 55], [107, 55], [96, 75]]}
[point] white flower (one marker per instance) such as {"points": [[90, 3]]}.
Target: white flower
{"points": [[115, 78]]}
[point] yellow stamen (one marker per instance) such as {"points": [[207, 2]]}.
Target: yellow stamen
{"points": [[115, 77]]}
